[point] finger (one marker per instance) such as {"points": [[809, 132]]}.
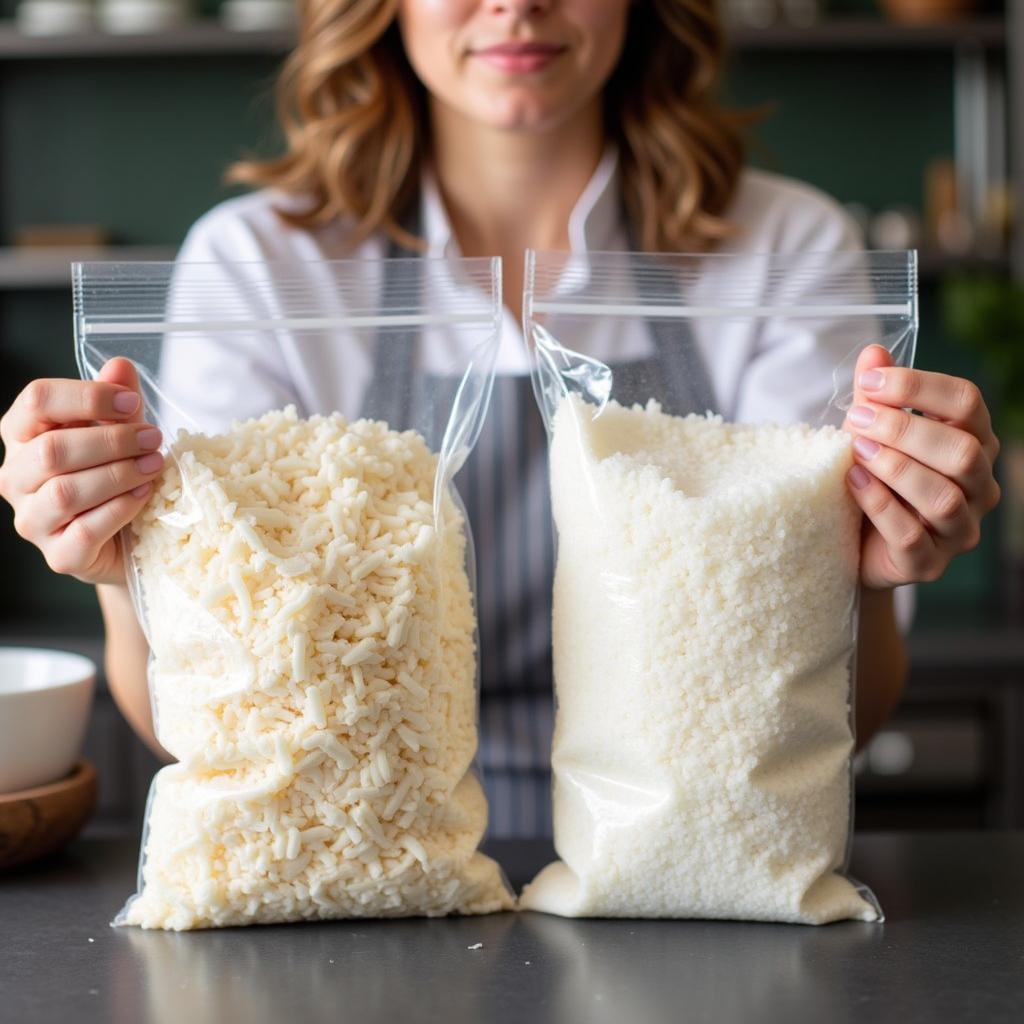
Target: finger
{"points": [[873, 357], [912, 550], [73, 448], [63, 497], [950, 399], [935, 498], [75, 548], [122, 373], [48, 403], [948, 450]]}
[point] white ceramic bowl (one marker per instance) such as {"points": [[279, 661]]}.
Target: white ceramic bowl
{"points": [[44, 708]]}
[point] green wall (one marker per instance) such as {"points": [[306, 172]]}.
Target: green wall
{"points": [[138, 146]]}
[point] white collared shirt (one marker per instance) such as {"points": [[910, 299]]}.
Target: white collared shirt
{"points": [[756, 376], [761, 372]]}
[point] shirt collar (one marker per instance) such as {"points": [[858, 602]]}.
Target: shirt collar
{"points": [[592, 224]]}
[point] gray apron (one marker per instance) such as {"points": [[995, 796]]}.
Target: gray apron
{"points": [[504, 486]]}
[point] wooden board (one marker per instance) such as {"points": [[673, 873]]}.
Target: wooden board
{"points": [[35, 822]]}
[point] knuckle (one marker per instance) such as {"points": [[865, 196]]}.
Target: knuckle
{"points": [[81, 535], [22, 526], [967, 455], [50, 452], [62, 560], [35, 395], [969, 401], [118, 474], [113, 442], [880, 503], [897, 466], [898, 571], [895, 425], [912, 540], [906, 384], [949, 503], [62, 493]]}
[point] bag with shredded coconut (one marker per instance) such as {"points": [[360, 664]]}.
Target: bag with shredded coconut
{"points": [[705, 601], [302, 573]]}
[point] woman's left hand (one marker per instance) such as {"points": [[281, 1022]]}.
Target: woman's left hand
{"points": [[924, 482]]}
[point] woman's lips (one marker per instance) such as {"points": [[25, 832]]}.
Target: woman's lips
{"points": [[519, 58]]}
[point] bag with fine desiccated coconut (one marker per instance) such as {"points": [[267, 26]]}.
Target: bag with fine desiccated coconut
{"points": [[302, 573], [706, 586]]}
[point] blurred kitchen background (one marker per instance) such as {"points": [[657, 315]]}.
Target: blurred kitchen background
{"points": [[118, 117]]}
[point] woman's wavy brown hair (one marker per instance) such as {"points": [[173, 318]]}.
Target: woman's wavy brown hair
{"points": [[354, 116]]}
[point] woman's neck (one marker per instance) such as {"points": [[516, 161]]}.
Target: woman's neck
{"points": [[506, 191]]}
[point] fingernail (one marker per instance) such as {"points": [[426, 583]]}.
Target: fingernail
{"points": [[150, 463], [142, 490], [866, 448], [860, 415], [126, 401], [871, 380], [148, 438], [859, 477]]}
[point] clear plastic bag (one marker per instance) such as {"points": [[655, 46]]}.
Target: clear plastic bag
{"points": [[302, 573], [705, 601]]}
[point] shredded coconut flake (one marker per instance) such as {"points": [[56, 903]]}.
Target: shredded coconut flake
{"points": [[324, 739]]}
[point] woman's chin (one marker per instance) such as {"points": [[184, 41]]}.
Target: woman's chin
{"points": [[529, 115]]}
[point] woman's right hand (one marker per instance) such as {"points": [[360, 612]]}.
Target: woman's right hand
{"points": [[79, 463]]}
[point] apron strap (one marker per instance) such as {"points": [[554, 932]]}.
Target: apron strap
{"points": [[389, 396], [684, 374]]}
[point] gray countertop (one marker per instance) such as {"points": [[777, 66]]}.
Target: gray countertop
{"points": [[952, 949]]}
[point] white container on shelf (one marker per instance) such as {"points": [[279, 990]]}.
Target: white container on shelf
{"points": [[55, 17], [137, 17], [258, 15]]}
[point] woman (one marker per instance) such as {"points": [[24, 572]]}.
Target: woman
{"points": [[483, 127]]}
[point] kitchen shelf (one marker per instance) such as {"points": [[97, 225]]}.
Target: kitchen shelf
{"points": [[873, 33], [200, 38], [51, 268], [210, 38]]}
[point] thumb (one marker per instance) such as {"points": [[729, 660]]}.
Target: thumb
{"points": [[122, 371]]}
